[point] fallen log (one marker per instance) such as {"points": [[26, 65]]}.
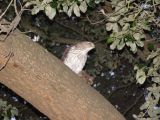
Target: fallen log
{"points": [[46, 83]]}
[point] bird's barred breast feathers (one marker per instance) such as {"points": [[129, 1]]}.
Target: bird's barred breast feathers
{"points": [[76, 56]]}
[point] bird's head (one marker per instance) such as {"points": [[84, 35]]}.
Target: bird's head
{"points": [[83, 47]]}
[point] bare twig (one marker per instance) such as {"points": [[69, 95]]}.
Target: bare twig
{"points": [[119, 88], [94, 23], [72, 29], [132, 105], [9, 56], [63, 40], [98, 41], [16, 20], [6, 9]]}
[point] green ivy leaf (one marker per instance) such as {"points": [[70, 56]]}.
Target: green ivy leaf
{"points": [[121, 45], [114, 44], [139, 43], [132, 45], [114, 19], [37, 8], [145, 105], [130, 18], [109, 26], [48, 1], [83, 7], [133, 48], [126, 27], [156, 79], [14, 112], [153, 54], [50, 12], [115, 27], [140, 76], [69, 13], [65, 8], [136, 67], [109, 40], [76, 10], [137, 36]]}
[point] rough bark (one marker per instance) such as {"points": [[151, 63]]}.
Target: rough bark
{"points": [[45, 82]]}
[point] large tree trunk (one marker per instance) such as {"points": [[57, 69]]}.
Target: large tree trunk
{"points": [[45, 82]]}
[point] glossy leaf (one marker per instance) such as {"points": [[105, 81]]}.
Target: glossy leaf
{"points": [[83, 7], [50, 12], [140, 76], [76, 10]]}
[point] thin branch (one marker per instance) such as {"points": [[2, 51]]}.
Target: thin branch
{"points": [[9, 56], [6, 9], [72, 29], [132, 105], [94, 23], [119, 88], [15, 8], [15, 21]]}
